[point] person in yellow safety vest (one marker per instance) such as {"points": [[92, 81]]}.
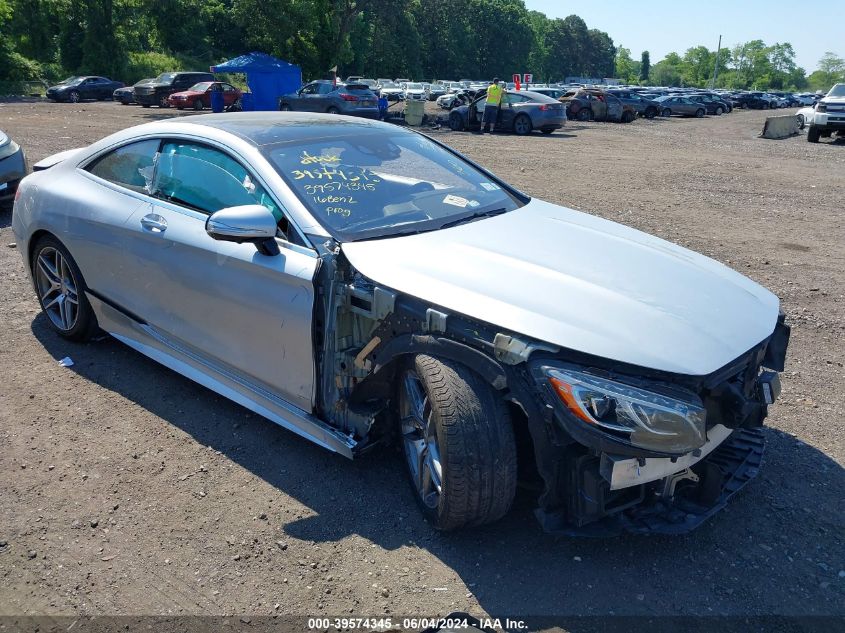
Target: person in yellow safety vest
{"points": [[492, 104]]}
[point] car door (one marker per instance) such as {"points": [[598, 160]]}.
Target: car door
{"points": [[327, 97], [230, 94], [242, 312], [306, 98]]}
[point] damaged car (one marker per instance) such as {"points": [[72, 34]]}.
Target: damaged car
{"points": [[360, 283]]}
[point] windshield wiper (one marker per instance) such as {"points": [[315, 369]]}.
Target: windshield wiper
{"points": [[472, 217]]}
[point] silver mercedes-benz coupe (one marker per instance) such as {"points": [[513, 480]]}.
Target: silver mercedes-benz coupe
{"points": [[359, 283]]}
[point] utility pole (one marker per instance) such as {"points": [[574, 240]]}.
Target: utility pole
{"points": [[716, 65]]}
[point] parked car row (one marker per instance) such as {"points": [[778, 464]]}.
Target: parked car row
{"points": [[173, 89]]}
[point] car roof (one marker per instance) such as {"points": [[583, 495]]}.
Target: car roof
{"points": [[268, 128]]}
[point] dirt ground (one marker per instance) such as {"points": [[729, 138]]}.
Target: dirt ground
{"points": [[127, 489]]}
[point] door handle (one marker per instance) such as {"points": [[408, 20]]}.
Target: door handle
{"points": [[154, 223]]}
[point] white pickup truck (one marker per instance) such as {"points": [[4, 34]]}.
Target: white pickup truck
{"points": [[829, 115]]}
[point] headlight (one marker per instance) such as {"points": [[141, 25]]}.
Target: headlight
{"points": [[822, 107], [641, 418]]}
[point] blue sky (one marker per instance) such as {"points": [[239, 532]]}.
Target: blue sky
{"points": [[662, 28]]}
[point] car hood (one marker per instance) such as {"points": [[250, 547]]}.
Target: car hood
{"points": [[187, 93], [837, 100], [583, 283]]}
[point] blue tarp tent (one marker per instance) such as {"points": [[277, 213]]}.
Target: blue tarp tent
{"points": [[268, 77]]}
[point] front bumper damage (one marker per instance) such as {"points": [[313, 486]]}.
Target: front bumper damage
{"points": [[595, 486], [673, 505]]}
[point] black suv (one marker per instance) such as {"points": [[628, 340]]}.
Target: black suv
{"points": [[157, 92]]}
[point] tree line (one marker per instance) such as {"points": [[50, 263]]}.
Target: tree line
{"points": [[421, 39], [753, 65]]}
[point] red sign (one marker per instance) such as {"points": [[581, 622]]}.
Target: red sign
{"points": [[516, 80]]}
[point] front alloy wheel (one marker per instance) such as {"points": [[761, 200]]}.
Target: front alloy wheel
{"points": [[458, 443]]}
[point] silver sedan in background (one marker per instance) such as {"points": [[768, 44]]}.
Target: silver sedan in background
{"points": [[360, 283]]}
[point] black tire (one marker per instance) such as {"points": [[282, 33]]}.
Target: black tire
{"points": [[522, 125], [163, 102], [699, 113], [813, 134], [801, 122], [474, 439], [744, 105], [628, 116], [456, 122], [826, 133], [74, 96], [650, 112], [765, 106], [145, 105], [85, 323], [584, 114], [198, 104], [667, 112], [547, 130], [333, 110], [719, 110], [285, 107]]}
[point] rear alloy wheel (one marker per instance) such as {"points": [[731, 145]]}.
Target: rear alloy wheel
{"points": [[650, 113], [522, 125], [699, 113], [333, 110], [584, 114], [456, 122], [61, 290], [666, 112], [74, 97], [801, 122], [163, 103], [765, 106], [197, 104], [719, 110], [458, 443]]}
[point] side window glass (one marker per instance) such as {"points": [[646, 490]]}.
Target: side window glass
{"points": [[130, 166], [207, 180], [326, 89]]}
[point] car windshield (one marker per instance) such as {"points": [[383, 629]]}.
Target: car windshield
{"points": [[165, 78], [70, 81], [837, 91], [414, 87], [365, 184], [388, 84], [201, 86]]}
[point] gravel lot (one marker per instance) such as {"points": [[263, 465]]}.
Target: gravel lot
{"points": [[127, 489]]}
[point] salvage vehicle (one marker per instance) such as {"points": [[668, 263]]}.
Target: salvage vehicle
{"points": [[391, 91], [126, 95], [641, 105], [198, 96], [682, 106], [416, 92], [324, 96], [804, 116], [521, 112], [594, 104], [76, 89], [158, 92], [12, 167], [829, 115], [359, 283], [710, 103]]}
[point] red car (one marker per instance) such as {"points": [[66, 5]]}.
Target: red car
{"points": [[198, 96]]}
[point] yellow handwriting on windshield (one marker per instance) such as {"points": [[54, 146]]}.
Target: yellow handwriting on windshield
{"points": [[307, 159]]}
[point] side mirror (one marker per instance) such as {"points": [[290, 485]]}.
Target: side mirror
{"points": [[247, 223]]}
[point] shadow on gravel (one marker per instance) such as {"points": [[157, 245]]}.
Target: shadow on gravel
{"points": [[776, 549]]}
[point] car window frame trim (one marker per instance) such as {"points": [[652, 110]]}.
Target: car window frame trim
{"points": [[82, 167]]}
